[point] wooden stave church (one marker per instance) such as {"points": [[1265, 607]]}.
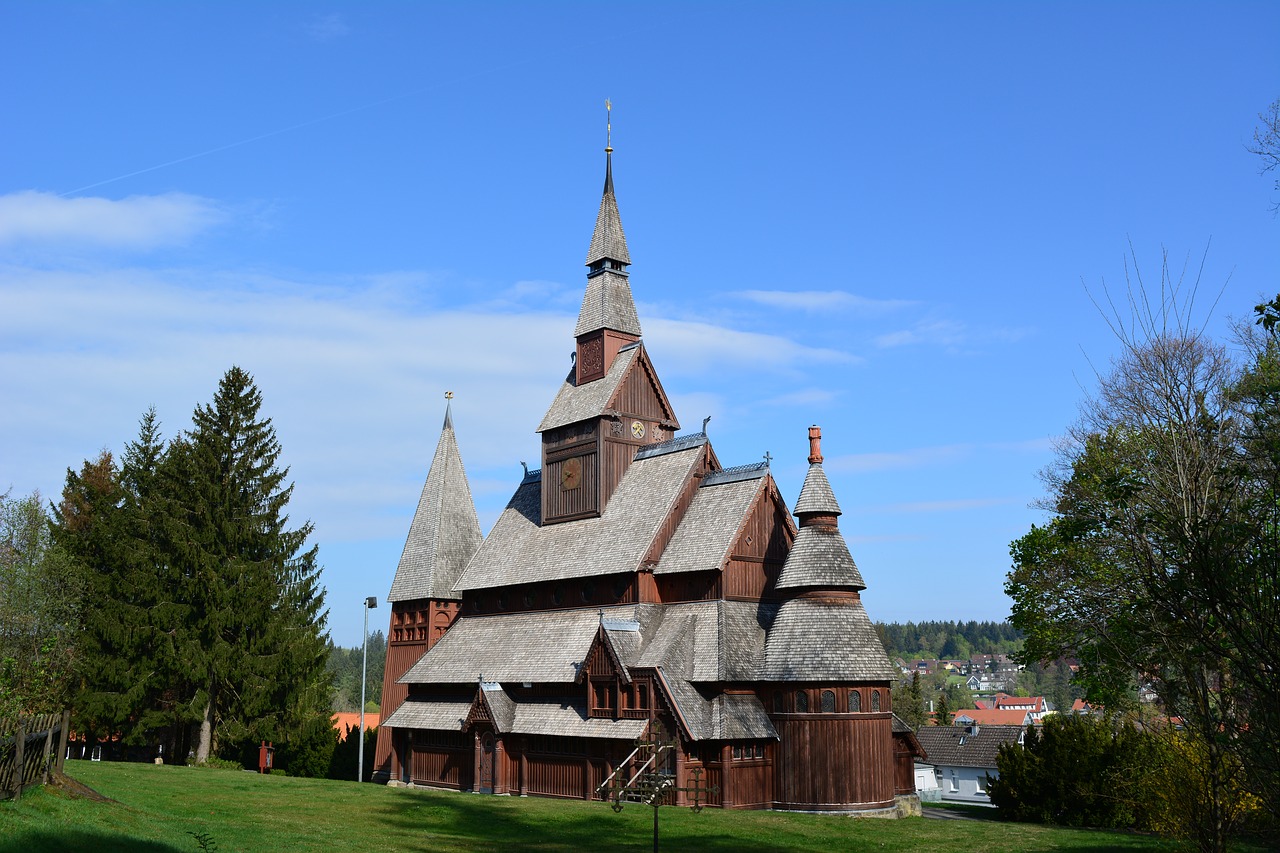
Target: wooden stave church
{"points": [[634, 586]]}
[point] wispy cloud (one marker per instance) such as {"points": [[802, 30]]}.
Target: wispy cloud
{"points": [[948, 334], [919, 457], [136, 222], [703, 346], [328, 27], [825, 300]]}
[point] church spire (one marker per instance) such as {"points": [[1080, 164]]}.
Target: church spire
{"points": [[608, 303], [445, 531]]}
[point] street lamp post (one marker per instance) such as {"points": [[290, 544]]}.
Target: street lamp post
{"points": [[369, 603]]}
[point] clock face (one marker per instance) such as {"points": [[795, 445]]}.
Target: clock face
{"points": [[571, 474], [637, 429]]}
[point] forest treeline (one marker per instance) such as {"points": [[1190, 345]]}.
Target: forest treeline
{"points": [[948, 640]]}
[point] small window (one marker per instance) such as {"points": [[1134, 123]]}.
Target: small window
{"points": [[759, 750], [588, 591], [875, 700], [779, 703], [855, 700], [502, 601], [802, 702], [557, 595], [642, 692], [828, 702], [737, 752]]}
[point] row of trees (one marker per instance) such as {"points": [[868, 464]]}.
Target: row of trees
{"points": [[1161, 563], [948, 640], [170, 602], [345, 666]]}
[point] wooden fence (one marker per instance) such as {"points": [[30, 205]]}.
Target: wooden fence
{"points": [[27, 751]]}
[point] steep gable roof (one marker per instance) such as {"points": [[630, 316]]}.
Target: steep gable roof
{"points": [[445, 531], [519, 549], [710, 526], [574, 403]]}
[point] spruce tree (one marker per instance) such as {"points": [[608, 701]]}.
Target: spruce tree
{"points": [[254, 642]]}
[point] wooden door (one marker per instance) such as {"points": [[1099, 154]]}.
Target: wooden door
{"points": [[486, 763]]}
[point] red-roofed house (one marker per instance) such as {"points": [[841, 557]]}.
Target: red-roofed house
{"points": [[993, 717], [344, 720]]}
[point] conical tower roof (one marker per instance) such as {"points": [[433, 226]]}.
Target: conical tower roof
{"points": [[608, 240], [445, 532], [821, 632]]}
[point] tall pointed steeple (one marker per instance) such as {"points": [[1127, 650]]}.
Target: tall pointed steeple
{"points": [[445, 532], [608, 304]]}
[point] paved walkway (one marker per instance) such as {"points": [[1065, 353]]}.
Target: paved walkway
{"points": [[939, 813]]}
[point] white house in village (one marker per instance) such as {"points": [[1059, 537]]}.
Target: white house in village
{"points": [[962, 759]]}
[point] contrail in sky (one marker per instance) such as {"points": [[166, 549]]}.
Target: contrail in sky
{"points": [[291, 128]]}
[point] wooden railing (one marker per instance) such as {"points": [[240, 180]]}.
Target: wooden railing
{"points": [[27, 751]]}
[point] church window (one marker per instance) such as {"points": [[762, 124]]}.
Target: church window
{"points": [[759, 750], [875, 700], [557, 595], [855, 701], [502, 601], [779, 702], [828, 702], [737, 752], [802, 702], [588, 591]]}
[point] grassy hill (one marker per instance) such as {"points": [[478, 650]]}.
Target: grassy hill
{"points": [[161, 809]]}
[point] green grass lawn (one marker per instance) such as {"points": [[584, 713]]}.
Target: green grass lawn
{"points": [[160, 809]]}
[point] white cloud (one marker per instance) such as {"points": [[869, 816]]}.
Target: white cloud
{"points": [[328, 27], [699, 347], [825, 301], [948, 334], [136, 222]]}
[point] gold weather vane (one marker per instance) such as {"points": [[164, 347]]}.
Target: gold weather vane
{"points": [[608, 127]]}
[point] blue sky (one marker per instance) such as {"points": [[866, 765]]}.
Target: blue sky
{"points": [[886, 219]]}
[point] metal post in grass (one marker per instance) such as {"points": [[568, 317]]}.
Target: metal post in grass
{"points": [[648, 784], [370, 603]]}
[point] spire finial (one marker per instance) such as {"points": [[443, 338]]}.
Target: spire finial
{"points": [[608, 127], [448, 395], [448, 410], [815, 445]]}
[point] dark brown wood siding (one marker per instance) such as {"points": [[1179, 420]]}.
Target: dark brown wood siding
{"points": [[834, 762], [583, 500], [442, 768]]}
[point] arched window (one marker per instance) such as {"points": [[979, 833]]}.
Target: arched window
{"points": [[828, 702], [855, 700], [875, 700], [802, 702]]}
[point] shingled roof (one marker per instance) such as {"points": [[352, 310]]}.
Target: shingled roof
{"points": [[817, 636], [520, 550], [711, 525], [574, 403], [957, 746], [445, 532], [607, 240], [608, 303], [824, 640]]}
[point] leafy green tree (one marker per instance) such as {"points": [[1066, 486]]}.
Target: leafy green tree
{"points": [[1077, 771], [1160, 562], [40, 606], [942, 711], [908, 701]]}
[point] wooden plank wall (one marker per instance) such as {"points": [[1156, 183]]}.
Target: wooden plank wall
{"points": [[835, 763], [443, 768]]}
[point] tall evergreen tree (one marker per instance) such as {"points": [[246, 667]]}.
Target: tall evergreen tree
{"points": [[254, 640]]}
